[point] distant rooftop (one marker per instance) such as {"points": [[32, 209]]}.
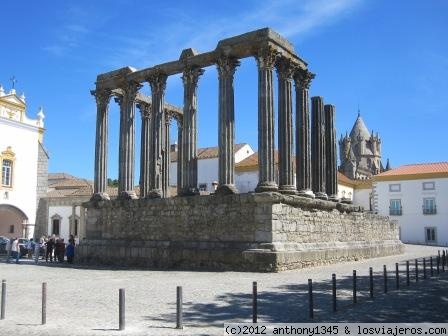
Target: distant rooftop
{"points": [[415, 171]]}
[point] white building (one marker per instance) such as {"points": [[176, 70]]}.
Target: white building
{"points": [[208, 165], [24, 165], [416, 196]]}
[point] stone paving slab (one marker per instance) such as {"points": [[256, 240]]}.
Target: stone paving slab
{"points": [[85, 301]]}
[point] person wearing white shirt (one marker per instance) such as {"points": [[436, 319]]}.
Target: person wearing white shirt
{"points": [[15, 250]]}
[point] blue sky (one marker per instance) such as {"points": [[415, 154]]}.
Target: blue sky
{"points": [[388, 57]]}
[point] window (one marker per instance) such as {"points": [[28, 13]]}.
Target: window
{"points": [[430, 235], [429, 206], [11, 229], [429, 185], [7, 173], [395, 207], [394, 187], [56, 225], [202, 186]]}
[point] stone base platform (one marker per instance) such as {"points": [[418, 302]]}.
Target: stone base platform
{"points": [[266, 232]]}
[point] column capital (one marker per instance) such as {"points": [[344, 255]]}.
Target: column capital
{"points": [[303, 78], [285, 68], [131, 89], [145, 109], [266, 58], [102, 96], [227, 65], [157, 82], [191, 75]]}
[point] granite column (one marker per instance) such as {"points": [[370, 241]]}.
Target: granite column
{"points": [[126, 154], [102, 97], [302, 80], [158, 86], [145, 110], [285, 127], [226, 125], [318, 147], [189, 161], [266, 59], [331, 181], [166, 156]]}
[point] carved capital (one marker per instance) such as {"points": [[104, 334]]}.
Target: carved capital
{"points": [[190, 76], [102, 96], [145, 109], [118, 99], [303, 78], [266, 58], [157, 82], [131, 89], [226, 66], [285, 68]]}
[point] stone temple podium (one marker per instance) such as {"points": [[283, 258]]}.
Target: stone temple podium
{"points": [[284, 224]]}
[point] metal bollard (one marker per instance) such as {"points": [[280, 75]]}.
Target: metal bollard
{"points": [[416, 270], [424, 268], [3, 303], [121, 309], [407, 272], [310, 298], [44, 302], [397, 277], [438, 264], [430, 265], [254, 302], [385, 278], [179, 311], [354, 287], [371, 281], [333, 280]]}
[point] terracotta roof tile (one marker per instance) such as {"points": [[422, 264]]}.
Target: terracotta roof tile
{"points": [[207, 152], [416, 169]]}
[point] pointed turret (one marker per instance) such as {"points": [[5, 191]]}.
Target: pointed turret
{"points": [[388, 165]]}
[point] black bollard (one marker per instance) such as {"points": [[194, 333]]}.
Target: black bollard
{"points": [[354, 287], [179, 310], [310, 298], [416, 270], [371, 281], [121, 309], [254, 302], [44, 303], [3, 303], [430, 265], [407, 272], [424, 268], [385, 278], [397, 277], [333, 280], [438, 265]]}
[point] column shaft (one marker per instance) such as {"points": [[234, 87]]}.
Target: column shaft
{"points": [[303, 144], [318, 147], [285, 127], [127, 141], [166, 156], [226, 125], [102, 97], [190, 162], [180, 158], [145, 110], [158, 86], [331, 181], [266, 180]]}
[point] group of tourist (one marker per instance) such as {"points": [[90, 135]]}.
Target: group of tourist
{"points": [[53, 248]]}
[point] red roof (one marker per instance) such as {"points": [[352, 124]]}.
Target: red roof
{"points": [[437, 169]]}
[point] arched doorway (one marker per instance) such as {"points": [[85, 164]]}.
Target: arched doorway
{"points": [[12, 221]]}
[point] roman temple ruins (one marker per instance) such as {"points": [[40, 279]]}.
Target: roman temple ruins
{"points": [[294, 221]]}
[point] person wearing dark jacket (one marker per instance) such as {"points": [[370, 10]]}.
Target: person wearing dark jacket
{"points": [[50, 246], [70, 251]]}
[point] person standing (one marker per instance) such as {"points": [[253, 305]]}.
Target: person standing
{"points": [[70, 251], [30, 248], [15, 250], [8, 249], [49, 251]]}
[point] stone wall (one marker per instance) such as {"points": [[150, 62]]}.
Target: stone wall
{"points": [[261, 232]]}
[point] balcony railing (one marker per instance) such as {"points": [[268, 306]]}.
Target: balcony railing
{"points": [[395, 211], [429, 210]]}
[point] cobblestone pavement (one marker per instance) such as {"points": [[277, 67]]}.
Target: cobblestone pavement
{"points": [[85, 301]]}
